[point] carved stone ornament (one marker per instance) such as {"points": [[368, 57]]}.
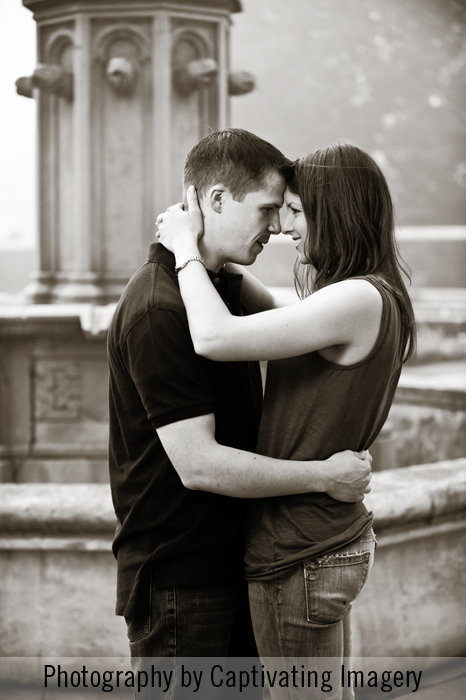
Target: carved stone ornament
{"points": [[121, 74], [50, 77], [116, 32], [241, 82], [24, 87], [195, 75], [58, 390]]}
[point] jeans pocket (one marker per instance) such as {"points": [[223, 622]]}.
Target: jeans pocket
{"points": [[138, 627], [332, 583]]}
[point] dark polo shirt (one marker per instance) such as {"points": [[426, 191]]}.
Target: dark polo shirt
{"points": [[167, 534]]}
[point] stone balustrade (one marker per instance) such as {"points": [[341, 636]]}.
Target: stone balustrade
{"points": [[428, 416], [57, 572], [413, 604]]}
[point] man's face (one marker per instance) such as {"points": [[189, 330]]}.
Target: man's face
{"points": [[243, 228]]}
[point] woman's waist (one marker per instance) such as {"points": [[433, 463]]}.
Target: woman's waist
{"points": [[279, 527], [277, 541], [304, 510]]}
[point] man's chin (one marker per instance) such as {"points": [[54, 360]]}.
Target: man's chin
{"points": [[250, 257], [247, 260]]}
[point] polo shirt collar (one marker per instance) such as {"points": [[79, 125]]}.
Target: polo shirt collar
{"points": [[228, 284], [159, 254]]}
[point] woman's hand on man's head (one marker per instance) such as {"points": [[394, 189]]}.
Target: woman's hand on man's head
{"points": [[179, 227]]}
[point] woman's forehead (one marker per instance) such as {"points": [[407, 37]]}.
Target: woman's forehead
{"points": [[291, 198]]}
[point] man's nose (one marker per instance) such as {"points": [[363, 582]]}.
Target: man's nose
{"points": [[274, 225], [286, 224]]}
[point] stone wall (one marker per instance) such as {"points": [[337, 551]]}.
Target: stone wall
{"points": [[53, 396], [57, 574], [58, 587], [387, 75], [54, 393]]}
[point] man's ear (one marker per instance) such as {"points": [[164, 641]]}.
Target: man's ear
{"points": [[217, 198]]}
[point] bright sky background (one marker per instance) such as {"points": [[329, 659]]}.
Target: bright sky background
{"points": [[257, 112], [17, 128]]}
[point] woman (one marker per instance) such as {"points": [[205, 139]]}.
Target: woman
{"points": [[335, 359]]}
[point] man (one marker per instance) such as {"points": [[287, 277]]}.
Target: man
{"points": [[183, 429]]}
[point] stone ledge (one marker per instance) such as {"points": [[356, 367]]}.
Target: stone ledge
{"points": [[38, 6], [56, 508], [416, 495], [22, 319], [448, 399]]}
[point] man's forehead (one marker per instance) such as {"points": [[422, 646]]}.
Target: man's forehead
{"points": [[272, 187], [274, 179]]}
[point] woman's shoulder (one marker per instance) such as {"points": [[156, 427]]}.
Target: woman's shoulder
{"points": [[360, 312], [357, 294]]}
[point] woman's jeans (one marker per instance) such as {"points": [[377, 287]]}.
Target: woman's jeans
{"points": [[304, 612]]}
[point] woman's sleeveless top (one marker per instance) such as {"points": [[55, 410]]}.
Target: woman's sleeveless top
{"points": [[313, 408]]}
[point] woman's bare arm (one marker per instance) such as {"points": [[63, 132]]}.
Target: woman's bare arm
{"points": [[345, 315], [342, 314], [256, 295]]}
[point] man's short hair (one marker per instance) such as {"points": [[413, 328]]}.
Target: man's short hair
{"points": [[235, 158]]}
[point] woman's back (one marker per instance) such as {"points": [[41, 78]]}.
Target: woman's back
{"points": [[313, 408]]}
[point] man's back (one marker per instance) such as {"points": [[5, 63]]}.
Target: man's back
{"points": [[167, 534]]}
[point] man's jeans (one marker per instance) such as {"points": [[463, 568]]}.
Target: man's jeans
{"points": [[212, 622], [304, 612]]}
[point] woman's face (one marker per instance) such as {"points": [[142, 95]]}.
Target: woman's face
{"points": [[294, 224]]}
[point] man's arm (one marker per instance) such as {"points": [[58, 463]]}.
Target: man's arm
{"points": [[204, 465]]}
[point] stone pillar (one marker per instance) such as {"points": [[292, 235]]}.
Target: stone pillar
{"points": [[124, 90]]}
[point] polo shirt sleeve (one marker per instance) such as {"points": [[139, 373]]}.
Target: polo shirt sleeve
{"points": [[173, 382]]}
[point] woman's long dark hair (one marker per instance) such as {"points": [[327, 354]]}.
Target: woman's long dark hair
{"points": [[351, 228]]}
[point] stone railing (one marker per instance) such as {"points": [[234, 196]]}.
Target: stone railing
{"points": [[58, 577], [57, 572], [412, 604]]}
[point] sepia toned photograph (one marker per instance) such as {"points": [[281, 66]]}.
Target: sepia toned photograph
{"points": [[233, 349]]}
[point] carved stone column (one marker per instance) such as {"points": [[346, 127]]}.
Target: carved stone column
{"points": [[124, 90]]}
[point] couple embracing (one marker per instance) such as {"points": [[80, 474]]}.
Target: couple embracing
{"points": [[229, 510]]}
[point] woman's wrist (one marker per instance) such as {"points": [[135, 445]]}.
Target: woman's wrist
{"points": [[184, 262], [185, 249], [183, 252]]}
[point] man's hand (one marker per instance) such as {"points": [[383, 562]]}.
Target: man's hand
{"points": [[180, 228], [349, 475]]}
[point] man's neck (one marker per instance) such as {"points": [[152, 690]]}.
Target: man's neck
{"points": [[212, 259]]}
